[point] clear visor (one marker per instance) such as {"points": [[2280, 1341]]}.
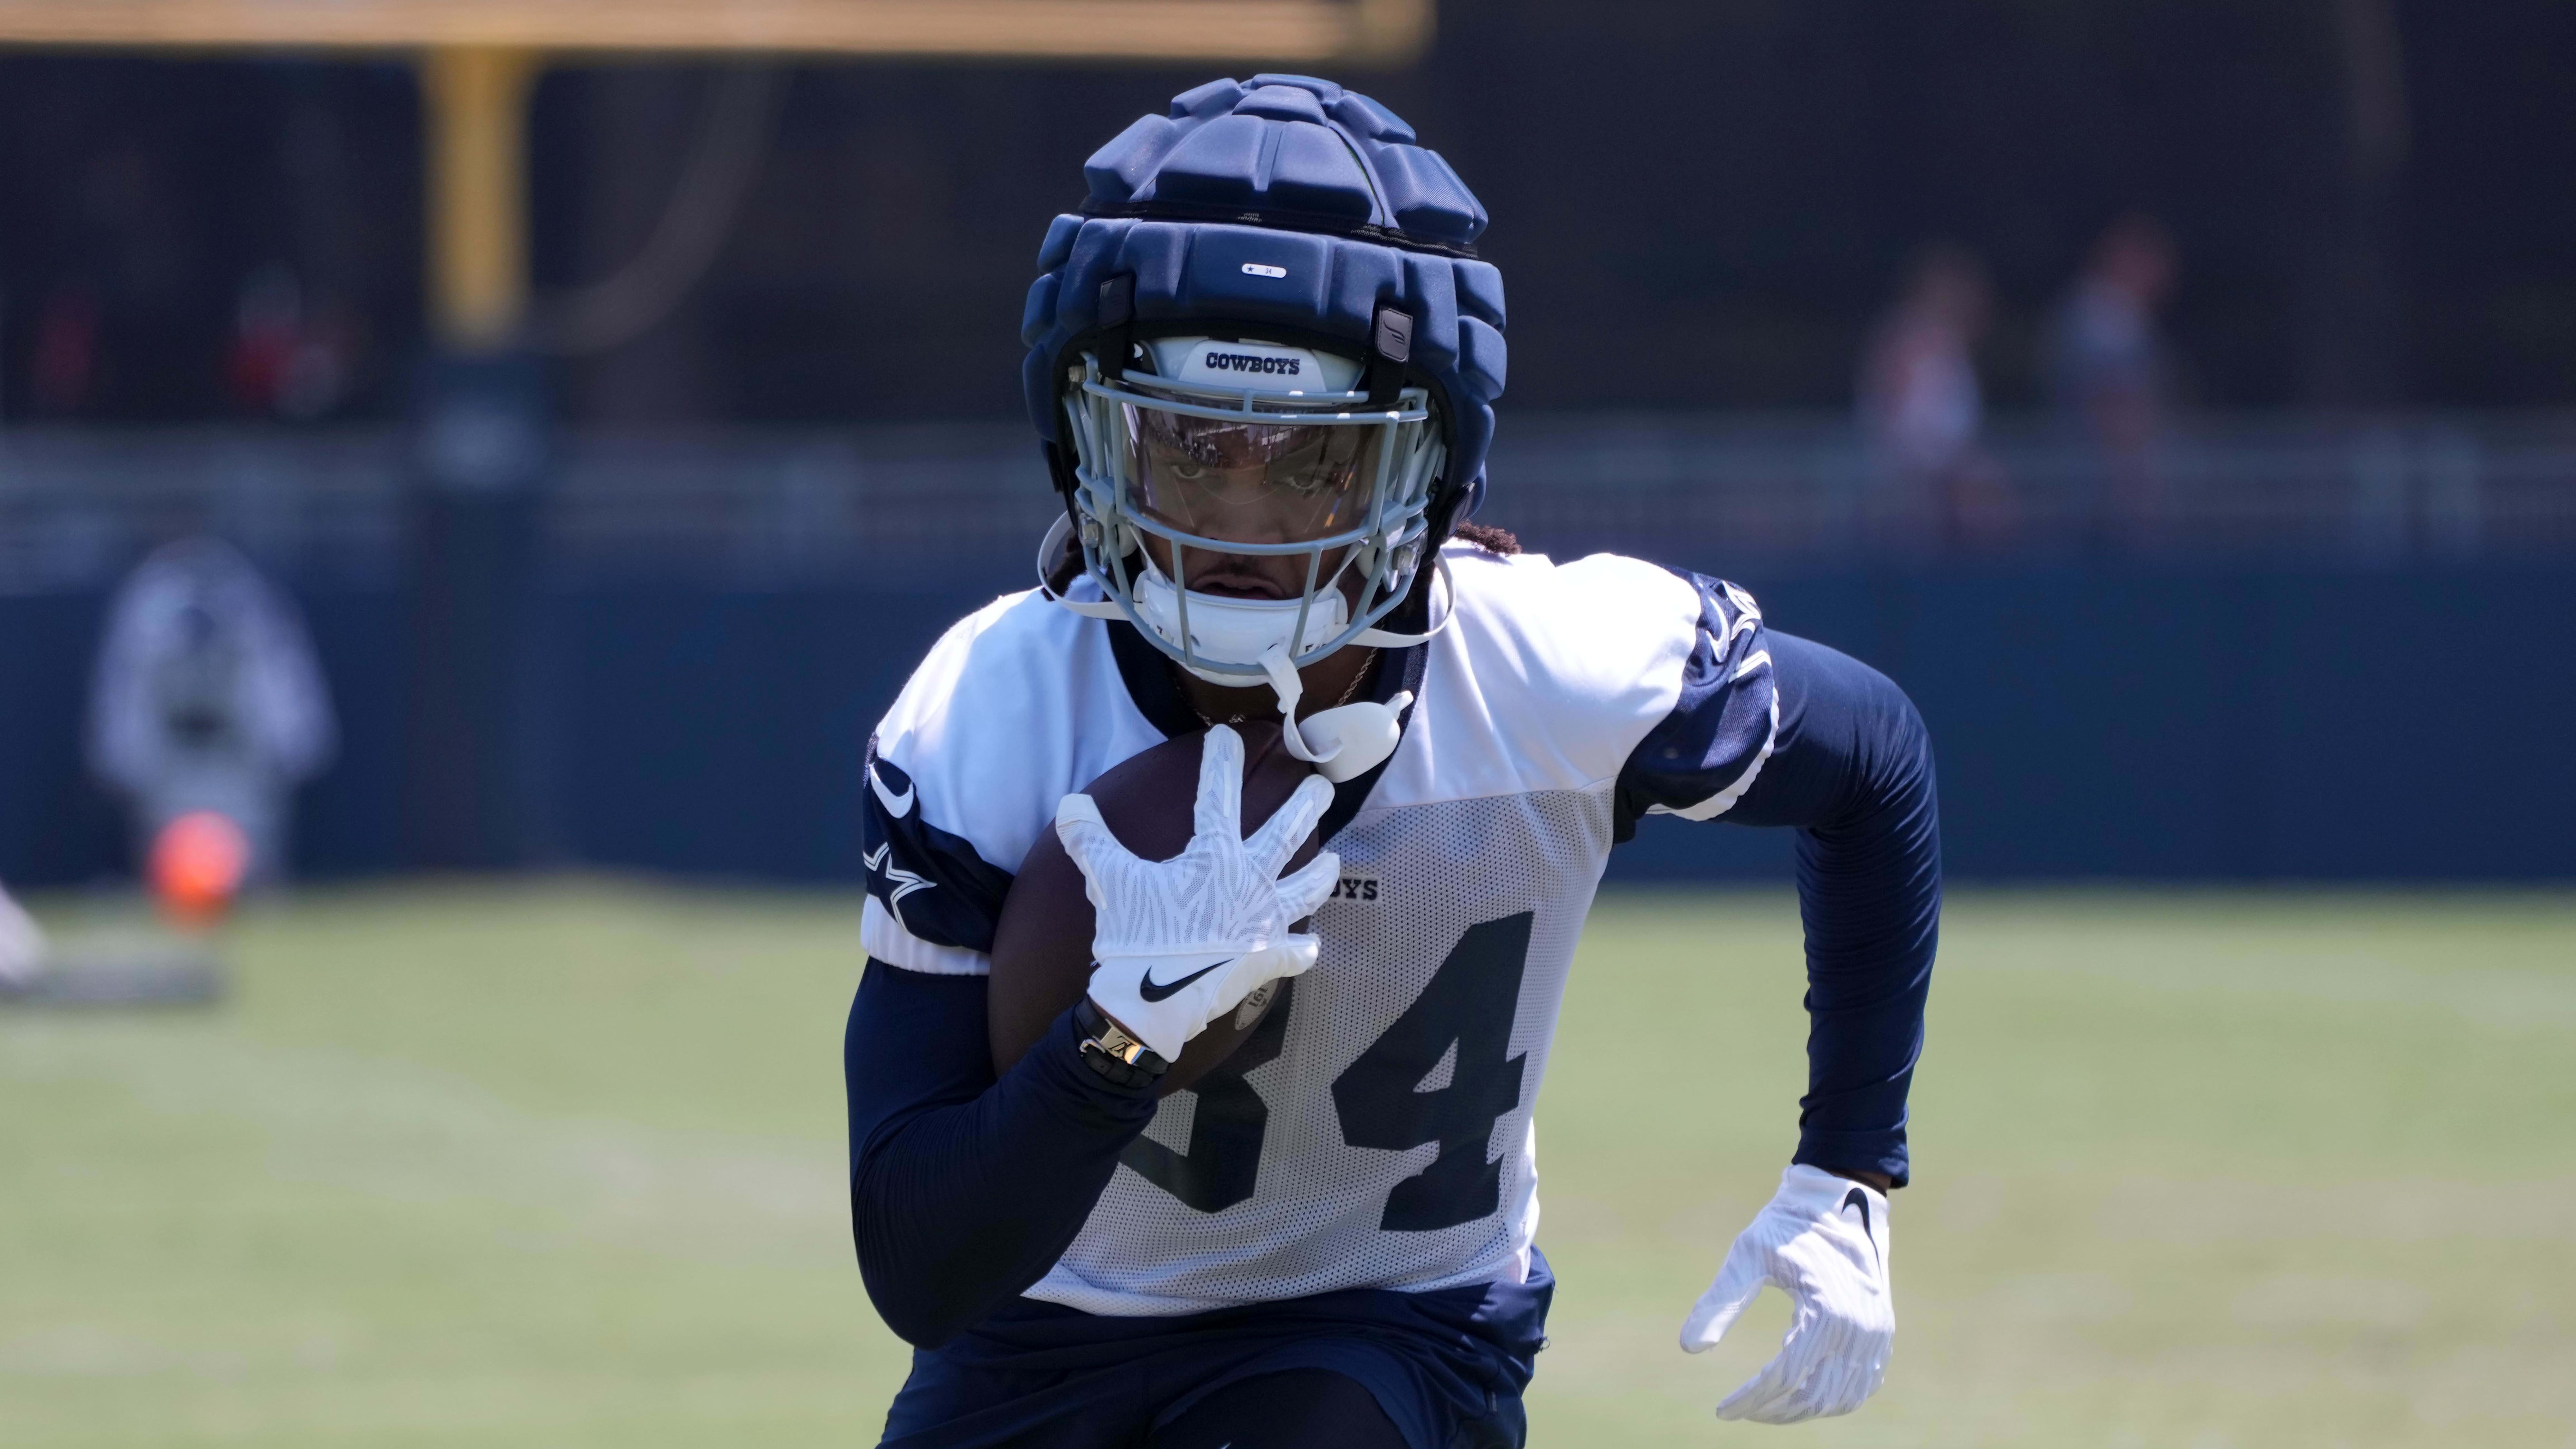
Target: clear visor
{"points": [[1237, 481]]}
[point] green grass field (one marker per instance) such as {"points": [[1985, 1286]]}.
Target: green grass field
{"points": [[562, 1165]]}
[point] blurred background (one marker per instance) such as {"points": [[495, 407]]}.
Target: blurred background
{"points": [[503, 488]]}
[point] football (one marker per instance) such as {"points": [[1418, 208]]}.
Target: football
{"points": [[1042, 945]]}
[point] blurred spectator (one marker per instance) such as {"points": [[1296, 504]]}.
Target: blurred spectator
{"points": [[2109, 370], [1922, 410], [66, 355], [208, 697], [282, 361]]}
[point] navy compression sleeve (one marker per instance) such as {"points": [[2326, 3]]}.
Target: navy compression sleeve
{"points": [[1851, 768], [964, 1190]]}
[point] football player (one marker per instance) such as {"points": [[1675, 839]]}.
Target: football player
{"points": [[1262, 361]]}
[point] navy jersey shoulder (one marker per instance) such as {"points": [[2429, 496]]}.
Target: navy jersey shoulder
{"points": [[1725, 721]]}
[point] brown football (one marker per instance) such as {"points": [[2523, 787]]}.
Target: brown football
{"points": [[1042, 945]]}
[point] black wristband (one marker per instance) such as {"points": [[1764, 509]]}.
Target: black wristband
{"points": [[1140, 1065]]}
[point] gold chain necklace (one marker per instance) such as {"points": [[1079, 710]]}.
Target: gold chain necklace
{"points": [[1349, 691]]}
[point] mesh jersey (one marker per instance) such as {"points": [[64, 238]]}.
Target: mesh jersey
{"points": [[1375, 1131]]}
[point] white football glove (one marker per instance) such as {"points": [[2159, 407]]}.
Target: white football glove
{"points": [[1180, 942], [1823, 1241]]}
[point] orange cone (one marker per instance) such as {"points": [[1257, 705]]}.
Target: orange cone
{"points": [[198, 861]]}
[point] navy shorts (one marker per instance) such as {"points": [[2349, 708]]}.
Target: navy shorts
{"points": [[1448, 1367]]}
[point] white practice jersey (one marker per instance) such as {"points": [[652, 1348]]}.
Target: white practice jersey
{"points": [[1375, 1130]]}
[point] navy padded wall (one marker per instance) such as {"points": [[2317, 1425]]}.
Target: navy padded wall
{"points": [[1306, 166]]}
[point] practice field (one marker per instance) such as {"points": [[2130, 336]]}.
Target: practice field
{"points": [[562, 1165]]}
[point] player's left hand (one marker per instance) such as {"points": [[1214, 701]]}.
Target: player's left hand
{"points": [[1823, 1241]]}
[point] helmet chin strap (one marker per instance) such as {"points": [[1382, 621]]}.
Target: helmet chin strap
{"points": [[1285, 683]]}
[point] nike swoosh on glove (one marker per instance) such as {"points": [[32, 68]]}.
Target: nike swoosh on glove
{"points": [[1178, 943], [1823, 1241]]}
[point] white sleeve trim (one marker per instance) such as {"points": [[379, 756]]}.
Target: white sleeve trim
{"points": [[1724, 800], [885, 938]]}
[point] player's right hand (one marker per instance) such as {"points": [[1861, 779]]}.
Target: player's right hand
{"points": [[1178, 943]]}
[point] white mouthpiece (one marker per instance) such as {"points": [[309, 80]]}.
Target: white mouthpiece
{"points": [[1353, 739], [1342, 743]]}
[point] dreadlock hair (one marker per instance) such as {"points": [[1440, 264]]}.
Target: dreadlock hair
{"points": [[1497, 541]]}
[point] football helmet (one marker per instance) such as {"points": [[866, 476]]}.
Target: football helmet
{"points": [[1262, 362]]}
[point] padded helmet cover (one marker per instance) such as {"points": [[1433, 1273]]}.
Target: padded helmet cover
{"points": [[1285, 204]]}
